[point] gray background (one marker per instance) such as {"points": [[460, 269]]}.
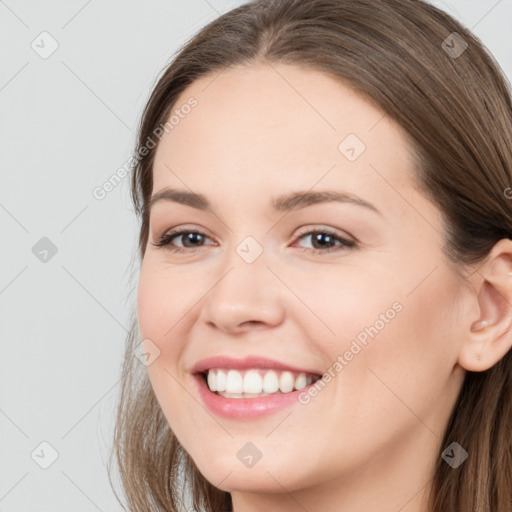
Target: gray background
{"points": [[67, 123]]}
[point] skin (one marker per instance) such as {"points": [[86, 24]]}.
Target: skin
{"points": [[370, 438]]}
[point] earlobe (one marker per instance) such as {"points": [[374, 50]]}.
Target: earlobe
{"points": [[490, 335]]}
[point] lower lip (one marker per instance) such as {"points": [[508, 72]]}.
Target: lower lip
{"points": [[246, 408]]}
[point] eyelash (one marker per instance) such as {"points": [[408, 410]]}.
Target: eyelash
{"points": [[165, 240]]}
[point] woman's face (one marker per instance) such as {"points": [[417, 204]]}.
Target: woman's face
{"points": [[378, 314]]}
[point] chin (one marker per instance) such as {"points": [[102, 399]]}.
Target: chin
{"points": [[229, 474]]}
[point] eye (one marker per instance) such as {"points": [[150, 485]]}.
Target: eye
{"points": [[325, 240], [193, 238]]}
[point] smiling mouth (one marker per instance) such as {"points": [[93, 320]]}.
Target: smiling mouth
{"points": [[255, 382]]}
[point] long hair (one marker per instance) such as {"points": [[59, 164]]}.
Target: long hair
{"points": [[433, 77]]}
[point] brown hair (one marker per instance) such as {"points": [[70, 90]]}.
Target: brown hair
{"points": [[455, 105]]}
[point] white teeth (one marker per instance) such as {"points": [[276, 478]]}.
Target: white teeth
{"points": [[234, 382], [212, 381], [270, 382], [286, 382], [254, 382], [221, 380], [301, 381]]}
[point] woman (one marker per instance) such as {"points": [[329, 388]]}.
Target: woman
{"points": [[325, 290]]}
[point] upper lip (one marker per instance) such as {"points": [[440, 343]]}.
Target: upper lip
{"points": [[247, 362]]}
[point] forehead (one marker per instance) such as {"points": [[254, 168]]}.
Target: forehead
{"points": [[263, 128]]}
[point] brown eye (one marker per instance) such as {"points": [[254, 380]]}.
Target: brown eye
{"points": [[324, 240], [190, 239]]}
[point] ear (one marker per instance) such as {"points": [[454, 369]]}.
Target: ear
{"points": [[490, 335]]}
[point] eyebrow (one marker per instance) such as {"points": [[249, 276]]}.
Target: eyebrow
{"points": [[293, 201]]}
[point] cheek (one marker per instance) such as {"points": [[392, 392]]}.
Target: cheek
{"points": [[343, 305], [150, 297], [160, 304], [161, 310], [168, 301], [406, 362], [380, 330]]}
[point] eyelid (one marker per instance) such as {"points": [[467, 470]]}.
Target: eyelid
{"points": [[185, 227], [346, 241], [320, 227], [178, 231], [301, 231]]}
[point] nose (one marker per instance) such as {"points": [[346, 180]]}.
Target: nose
{"points": [[245, 296]]}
